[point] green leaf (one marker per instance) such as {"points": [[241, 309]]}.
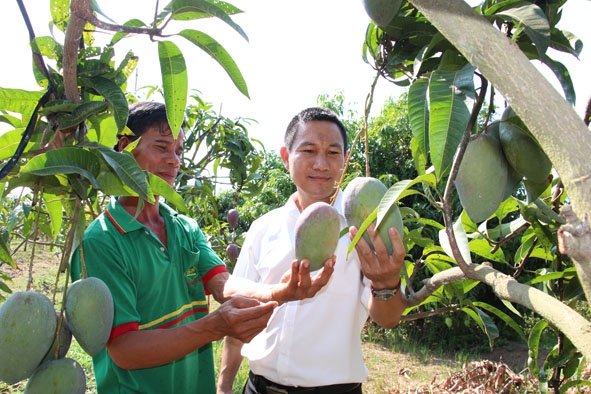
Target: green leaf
{"points": [[565, 41], [194, 9], [80, 113], [60, 13], [115, 97], [5, 253], [19, 101], [9, 141], [461, 240], [451, 94], [219, 54], [482, 247], [533, 343], [418, 113], [174, 83], [532, 20], [119, 36], [484, 322], [563, 76], [53, 205], [65, 161], [161, 188], [127, 168], [503, 316]]}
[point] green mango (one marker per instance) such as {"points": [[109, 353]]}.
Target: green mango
{"points": [[63, 339], [482, 177], [57, 377], [521, 149], [317, 233], [27, 327], [360, 198], [89, 313], [381, 12]]}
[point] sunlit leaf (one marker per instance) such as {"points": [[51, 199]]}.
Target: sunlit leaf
{"points": [[174, 83], [161, 188], [194, 9], [451, 94], [129, 171], [114, 96], [482, 247], [53, 205], [418, 113], [19, 101], [219, 54], [461, 240], [65, 161]]}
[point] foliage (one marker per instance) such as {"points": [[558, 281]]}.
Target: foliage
{"points": [[444, 102]]}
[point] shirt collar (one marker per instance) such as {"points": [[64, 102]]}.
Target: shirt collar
{"points": [[124, 222]]}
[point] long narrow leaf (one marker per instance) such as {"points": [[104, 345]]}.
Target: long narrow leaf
{"points": [[418, 113], [451, 94], [53, 205], [129, 171], [115, 97], [503, 316], [19, 101], [161, 188], [532, 19], [533, 343], [193, 9], [175, 83], [5, 253], [564, 78], [219, 54], [65, 161], [461, 240]]}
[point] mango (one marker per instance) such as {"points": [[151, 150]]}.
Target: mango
{"points": [[317, 232], [381, 12], [360, 198], [57, 377], [232, 251], [89, 313], [233, 218], [482, 178], [521, 149], [62, 339], [27, 328]]}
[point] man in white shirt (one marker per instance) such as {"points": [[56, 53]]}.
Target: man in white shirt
{"points": [[314, 345]]}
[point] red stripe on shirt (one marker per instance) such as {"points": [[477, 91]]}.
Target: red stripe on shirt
{"points": [[211, 273], [123, 328], [117, 226]]}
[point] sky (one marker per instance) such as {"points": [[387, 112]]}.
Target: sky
{"points": [[296, 51]]}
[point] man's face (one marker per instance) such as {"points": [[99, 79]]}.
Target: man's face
{"points": [[159, 153], [316, 161]]}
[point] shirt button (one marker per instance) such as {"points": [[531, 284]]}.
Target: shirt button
{"points": [[162, 248], [147, 232]]}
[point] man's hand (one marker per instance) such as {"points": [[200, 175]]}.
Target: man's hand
{"points": [[243, 318], [377, 265], [298, 284]]}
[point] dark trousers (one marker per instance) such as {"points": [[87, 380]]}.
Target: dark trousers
{"points": [[260, 385]]}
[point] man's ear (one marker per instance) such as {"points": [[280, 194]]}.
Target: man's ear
{"points": [[123, 142], [283, 152]]}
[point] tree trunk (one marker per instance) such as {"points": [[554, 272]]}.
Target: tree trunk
{"points": [[560, 131]]}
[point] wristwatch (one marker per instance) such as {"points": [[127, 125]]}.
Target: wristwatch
{"points": [[385, 294]]}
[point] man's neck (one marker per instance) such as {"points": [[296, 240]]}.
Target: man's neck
{"points": [[149, 214]]}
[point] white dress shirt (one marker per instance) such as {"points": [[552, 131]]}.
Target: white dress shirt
{"points": [[316, 341]]}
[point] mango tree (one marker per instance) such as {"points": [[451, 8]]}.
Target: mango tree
{"points": [[452, 57], [58, 162]]}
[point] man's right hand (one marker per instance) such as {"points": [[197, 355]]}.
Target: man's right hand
{"points": [[243, 318], [299, 284]]}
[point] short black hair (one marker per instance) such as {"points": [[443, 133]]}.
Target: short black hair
{"points": [[144, 115], [312, 114]]}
